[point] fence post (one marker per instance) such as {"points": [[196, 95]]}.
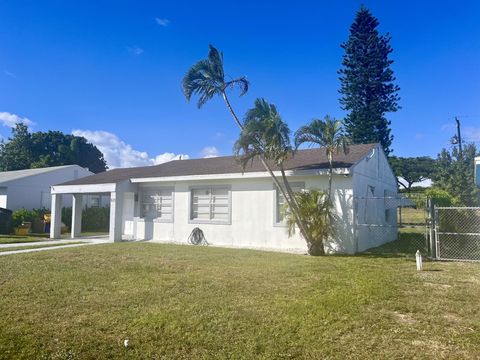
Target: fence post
{"points": [[433, 238]]}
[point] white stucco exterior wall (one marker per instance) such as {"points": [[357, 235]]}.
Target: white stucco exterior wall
{"points": [[252, 215], [33, 192], [374, 172]]}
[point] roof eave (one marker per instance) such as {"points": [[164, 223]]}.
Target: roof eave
{"points": [[246, 175]]}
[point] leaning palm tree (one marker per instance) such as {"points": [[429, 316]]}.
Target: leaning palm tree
{"points": [[207, 79], [266, 136], [327, 133]]}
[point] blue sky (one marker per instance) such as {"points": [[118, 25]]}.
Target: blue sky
{"points": [[111, 70]]}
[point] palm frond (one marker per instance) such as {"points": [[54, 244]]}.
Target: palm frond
{"points": [[266, 132], [242, 83], [205, 78]]}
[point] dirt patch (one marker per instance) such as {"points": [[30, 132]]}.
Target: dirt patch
{"points": [[452, 318], [438, 286], [404, 318]]}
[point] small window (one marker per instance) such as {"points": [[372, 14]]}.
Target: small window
{"points": [[280, 201], [210, 204], [390, 203], [157, 204]]}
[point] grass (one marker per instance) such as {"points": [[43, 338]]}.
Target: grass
{"points": [[409, 241], [415, 216], [29, 247], [186, 302]]}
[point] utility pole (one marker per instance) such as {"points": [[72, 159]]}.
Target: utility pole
{"points": [[459, 137]]}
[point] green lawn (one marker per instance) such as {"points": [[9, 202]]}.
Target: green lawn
{"points": [[175, 302], [412, 216], [29, 247]]}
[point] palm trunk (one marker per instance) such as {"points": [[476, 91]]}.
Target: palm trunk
{"points": [[225, 98], [295, 209], [291, 202], [330, 175]]}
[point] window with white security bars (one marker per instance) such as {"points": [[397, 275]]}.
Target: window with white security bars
{"points": [[210, 205], [280, 201], [157, 204]]}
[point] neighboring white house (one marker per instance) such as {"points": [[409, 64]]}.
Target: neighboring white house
{"points": [[30, 188], [240, 209], [477, 170]]}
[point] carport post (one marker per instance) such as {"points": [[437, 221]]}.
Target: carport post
{"points": [[56, 217], [116, 211], [77, 207]]}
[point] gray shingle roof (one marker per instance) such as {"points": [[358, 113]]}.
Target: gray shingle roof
{"points": [[7, 176], [303, 160]]}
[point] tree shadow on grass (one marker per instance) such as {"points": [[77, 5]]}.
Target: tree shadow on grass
{"points": [[405, 246]]}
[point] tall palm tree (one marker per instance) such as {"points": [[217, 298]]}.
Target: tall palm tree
{"points": [[328, 134], [266, 136], [206, 79]]}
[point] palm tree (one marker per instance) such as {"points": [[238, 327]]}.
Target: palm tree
{"points": [[327, 133], [266, 136], [206, 79], [315, 211]]}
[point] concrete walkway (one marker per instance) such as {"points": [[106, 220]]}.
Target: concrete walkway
{"points": [[63, 243]]}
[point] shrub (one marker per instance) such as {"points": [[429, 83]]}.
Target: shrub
{"points": [[441, 197], [24, 215], [316, 213], [93, 218]]}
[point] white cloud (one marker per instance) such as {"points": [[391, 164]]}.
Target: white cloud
{"points": [[165, 157], [9, 73], [135, 50], [162, 21], [472, 134], [209, 152], [10, 120], [117, 153], [425, 183]]}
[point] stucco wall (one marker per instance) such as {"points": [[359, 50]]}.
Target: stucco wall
{"points": [[374, 171], [252, 216], [33, 192]]}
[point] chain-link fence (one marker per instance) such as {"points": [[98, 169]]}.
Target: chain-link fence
{"points": [[412, 212], [382, 219], [457, 233]]}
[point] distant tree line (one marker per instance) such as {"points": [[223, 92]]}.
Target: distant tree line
{"points": [[450, 171], [25, 150]]}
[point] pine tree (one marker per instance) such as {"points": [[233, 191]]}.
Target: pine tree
{"points": [[367, 82]]}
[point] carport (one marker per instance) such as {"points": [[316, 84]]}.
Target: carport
{"points": [[79, 188]]}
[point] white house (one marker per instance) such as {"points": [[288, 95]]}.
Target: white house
{"points": [[166, 202], [30, 188], [477, 170]]}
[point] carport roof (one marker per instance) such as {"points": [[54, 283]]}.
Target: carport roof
{"points": [[308, 159]]}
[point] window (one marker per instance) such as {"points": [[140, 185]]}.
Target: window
{"points": [[390, 207], [157, 204], [280, 201], [210, 204]]}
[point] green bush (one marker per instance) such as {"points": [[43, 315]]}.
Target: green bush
{"points": [[441, 197], [93, 218], [24, 215]]}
